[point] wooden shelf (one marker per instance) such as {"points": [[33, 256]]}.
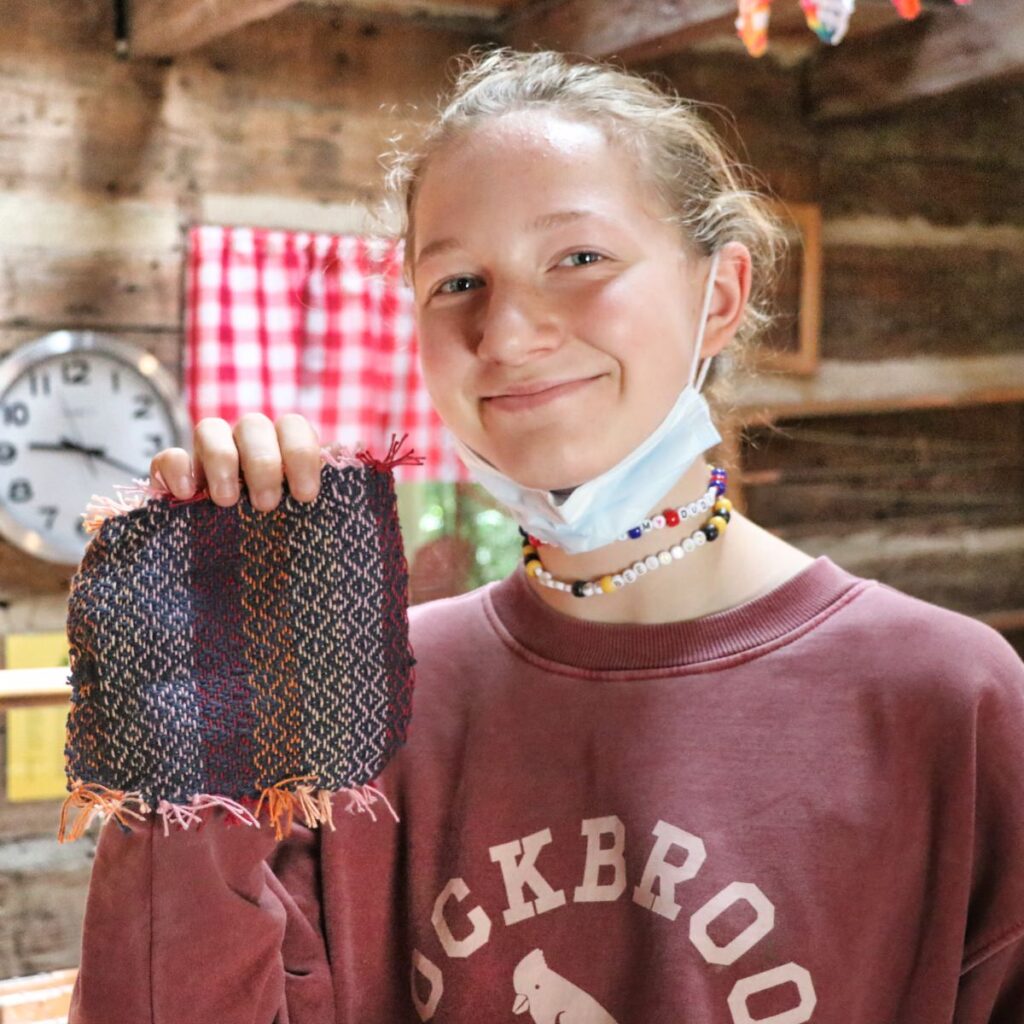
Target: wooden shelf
{"points": [[22, 687]]}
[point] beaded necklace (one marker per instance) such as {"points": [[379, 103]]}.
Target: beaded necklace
{"points": [[713, 499]]}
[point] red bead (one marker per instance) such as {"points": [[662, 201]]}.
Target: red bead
{"points": [[533, 540], [671, 517]]}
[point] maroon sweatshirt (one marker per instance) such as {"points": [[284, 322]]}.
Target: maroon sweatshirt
{"points": [[808, 807]]}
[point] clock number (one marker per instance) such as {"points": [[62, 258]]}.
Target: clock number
{"points": [[15, 414], [20, 490], [50, 511], [7, 453], [38, 384], [145, 404], [157, 442], [75, 371]]}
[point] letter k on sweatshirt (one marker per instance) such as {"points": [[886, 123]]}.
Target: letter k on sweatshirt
{"points": [[805, 808]]}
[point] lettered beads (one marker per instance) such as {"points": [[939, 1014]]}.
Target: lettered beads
{"points": [[674, 516], [670, 516], [717, 504]]}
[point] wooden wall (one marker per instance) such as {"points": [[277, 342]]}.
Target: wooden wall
{"points": [[103, 163]]}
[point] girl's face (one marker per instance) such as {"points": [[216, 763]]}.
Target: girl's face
{"points": [[540, 259]]}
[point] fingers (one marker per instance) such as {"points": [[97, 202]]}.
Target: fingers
{"points": [[300, 449], [171, 466], [256, 450], [260, 457]]}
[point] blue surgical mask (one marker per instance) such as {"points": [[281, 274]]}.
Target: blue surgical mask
{"points": [[599, 511]]}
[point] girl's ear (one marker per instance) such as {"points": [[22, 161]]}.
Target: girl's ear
{"points": [[728, 297]]}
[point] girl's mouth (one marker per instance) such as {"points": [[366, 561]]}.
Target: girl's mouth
{"points": [[514, 403]]}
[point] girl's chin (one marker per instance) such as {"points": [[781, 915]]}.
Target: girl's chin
{"points": [[546, 477]]}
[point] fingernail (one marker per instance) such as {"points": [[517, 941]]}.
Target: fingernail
{"points": [[266, 499], [185, 486]]}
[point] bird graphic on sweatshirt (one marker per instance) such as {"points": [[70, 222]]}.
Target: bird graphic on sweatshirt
{"points": [[552, 999]]}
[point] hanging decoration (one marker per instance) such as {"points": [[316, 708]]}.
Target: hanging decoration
{"points": [[827, 19]]}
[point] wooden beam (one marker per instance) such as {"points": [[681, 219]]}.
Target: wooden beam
{"points": [[162, 28], [935, 54], [629, 29], [878, 385]]}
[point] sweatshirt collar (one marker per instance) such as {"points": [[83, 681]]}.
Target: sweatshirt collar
{"points": [[579, 643]]}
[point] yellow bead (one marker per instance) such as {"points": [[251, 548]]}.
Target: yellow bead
{"points": [[529, 549], [719, 522], [723, 505], [533, 567], [606, 584]]}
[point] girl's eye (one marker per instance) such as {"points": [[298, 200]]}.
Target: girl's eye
{"points": [[585, 252], [443, 289]]}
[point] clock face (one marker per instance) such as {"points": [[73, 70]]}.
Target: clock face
{"points": [[72, 425]]}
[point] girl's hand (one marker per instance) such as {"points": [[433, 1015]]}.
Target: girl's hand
{"points": [[266, 451]]}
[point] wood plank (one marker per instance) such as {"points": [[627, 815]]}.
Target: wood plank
{"points": [[898, 300], [37, 998], [975, 572], [34, 613], [35, 982], [909, 469], [163, 28], [734, 91], [102, 290], [938, 53], [43, 909], [629, 29], [954, 160], [916, 382], [20, 687]]}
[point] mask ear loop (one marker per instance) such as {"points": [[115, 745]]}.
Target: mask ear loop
{"points": [[703, 323]]}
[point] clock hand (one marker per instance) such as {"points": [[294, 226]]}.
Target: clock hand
{"points": [[101, 454], [67, 445], [69, 419]]}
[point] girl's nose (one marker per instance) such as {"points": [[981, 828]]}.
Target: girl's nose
{"points": [[514, 328]]}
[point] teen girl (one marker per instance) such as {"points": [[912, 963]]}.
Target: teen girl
{"points": [[671, 768]]}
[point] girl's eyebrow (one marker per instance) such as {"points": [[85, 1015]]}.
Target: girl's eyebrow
{"points": [[545, 220]]}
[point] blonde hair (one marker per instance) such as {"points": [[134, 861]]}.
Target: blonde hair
{"points": [[711, 195]]}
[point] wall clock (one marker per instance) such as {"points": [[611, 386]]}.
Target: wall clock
{"points": [[79, 412]]}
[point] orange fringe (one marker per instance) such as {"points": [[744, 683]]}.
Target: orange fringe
{"points": [[314, 804], [92, 797]]}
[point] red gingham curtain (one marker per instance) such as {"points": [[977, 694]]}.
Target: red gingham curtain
{"points": [[319, 324]]}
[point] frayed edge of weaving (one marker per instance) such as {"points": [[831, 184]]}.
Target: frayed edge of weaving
{"points": [[140, 491], [314, 804]]}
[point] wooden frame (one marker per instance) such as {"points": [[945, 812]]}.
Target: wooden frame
{"points": [[806, 219]]}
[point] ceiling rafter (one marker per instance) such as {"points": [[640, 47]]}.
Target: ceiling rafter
{"points": [[938, 53], [628, 29], [163, 28]]}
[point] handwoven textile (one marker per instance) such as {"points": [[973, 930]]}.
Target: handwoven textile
{"points": [[231, 656], [319, 324]]}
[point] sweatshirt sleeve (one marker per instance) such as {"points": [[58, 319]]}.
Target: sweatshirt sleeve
{"points": [[215, 925], [991, 985]]}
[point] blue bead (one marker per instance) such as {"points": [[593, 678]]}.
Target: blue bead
{"points": [[636, 532]]}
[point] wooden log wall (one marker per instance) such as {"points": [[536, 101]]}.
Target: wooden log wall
{"points": [[103, 164]]}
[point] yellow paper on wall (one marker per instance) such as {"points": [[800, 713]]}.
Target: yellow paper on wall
{"points": [[36, 736]]}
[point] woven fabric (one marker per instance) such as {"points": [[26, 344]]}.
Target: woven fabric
{"points": [[226, 655], [315, 323]]}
